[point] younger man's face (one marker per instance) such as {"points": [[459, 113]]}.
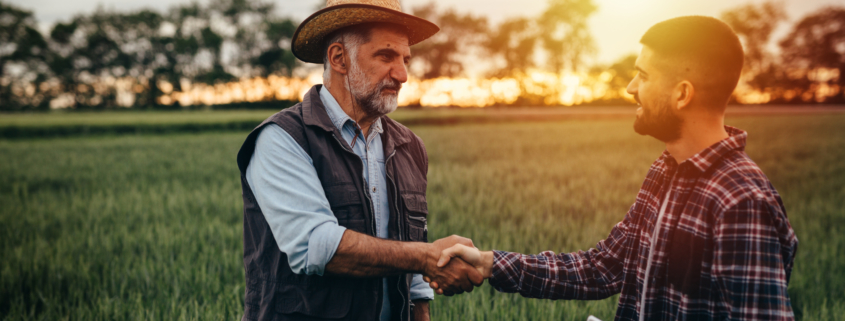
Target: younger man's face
{"points": [[652, 88]]}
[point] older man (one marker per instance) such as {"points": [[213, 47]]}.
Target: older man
{"points": [[334, 190], [708, 237]]}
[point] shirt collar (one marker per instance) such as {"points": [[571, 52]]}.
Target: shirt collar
{"points": [[710, 155], [338, 116]]}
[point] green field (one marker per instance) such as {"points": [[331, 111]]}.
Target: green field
{"points": [[71, 124], [148, 227]]}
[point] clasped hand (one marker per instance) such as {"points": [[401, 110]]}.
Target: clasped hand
{"points": [[455, 266]]}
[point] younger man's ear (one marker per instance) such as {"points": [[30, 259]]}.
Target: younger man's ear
{"points": [[684, 91], [337, 58]]}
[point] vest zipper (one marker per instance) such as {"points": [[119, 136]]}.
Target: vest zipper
{"points": [[372, 214], [395, 195], [399, 222]]}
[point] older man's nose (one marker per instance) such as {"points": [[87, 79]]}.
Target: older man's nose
{"points": [[400, 73]]}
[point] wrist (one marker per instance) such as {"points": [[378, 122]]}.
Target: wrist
{"points": [[487, 258], [431, 254], [420, 310]]}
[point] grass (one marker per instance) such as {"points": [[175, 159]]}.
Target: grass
{"points": [[63, 124], [80, 123], [148, 227]]}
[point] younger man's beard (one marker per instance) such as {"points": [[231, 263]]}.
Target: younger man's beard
{"points": [[370, 98], [662, 124]]}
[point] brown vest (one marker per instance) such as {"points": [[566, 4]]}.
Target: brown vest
{"points": [[273, 291]]}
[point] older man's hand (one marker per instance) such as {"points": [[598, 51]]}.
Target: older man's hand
{"points": [[457, 276]]}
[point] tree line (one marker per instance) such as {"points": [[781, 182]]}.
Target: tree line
{"points": [[108, 59]]}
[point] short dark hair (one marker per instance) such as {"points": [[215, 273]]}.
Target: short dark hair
{"points": [[707, 46]]}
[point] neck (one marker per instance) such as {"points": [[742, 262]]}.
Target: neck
{"points": [[699, 131], [337, 88]]}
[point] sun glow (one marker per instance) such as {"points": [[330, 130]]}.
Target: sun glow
{"points": [[534, 87]]}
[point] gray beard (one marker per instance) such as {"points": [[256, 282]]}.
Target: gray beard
{"points": [[370, 98]]}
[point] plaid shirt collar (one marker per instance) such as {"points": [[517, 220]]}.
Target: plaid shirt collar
{"points": [[710, 155]]}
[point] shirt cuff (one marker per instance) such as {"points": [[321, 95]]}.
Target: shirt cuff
{"points": [[420, 290], [322, 245], [506, 271]]}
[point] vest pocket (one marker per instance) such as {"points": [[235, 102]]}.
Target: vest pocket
{"points": [[418, 229], [416, 209], [415, 204], [346, 206], [351, 218]]}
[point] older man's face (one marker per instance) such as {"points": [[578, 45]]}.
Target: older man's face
{"points": [[379, 70]]}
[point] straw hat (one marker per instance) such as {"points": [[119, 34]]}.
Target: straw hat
{"points": [[307, 42]]}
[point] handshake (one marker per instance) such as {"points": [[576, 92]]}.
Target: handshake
{"points": [[455, 266]]}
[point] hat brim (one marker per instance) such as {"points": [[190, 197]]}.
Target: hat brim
{"points": [[308, 40]]}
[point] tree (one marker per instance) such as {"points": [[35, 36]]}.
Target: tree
{"points": [[440, 55], [277, 58], [622, 72], [754, 25], [814, 56], [514, 42], [561, 30], [92, 51], [23, 57], [190, 43], [565, 34]]}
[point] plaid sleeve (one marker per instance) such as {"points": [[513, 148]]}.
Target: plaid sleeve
{"points": [[591, 275], [751, 261]]}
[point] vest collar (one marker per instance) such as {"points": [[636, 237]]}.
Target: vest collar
{"points": [[314, 114], [313, 111]]}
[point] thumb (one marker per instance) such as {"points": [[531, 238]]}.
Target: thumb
{"points": [[449, 253]]}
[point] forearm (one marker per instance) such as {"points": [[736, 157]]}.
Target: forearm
{"points": [[361, 255], [571, 276], [421, 311], [584, 275]]}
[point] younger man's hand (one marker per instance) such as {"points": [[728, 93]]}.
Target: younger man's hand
{"points": [[482, 261], [453, 277]]}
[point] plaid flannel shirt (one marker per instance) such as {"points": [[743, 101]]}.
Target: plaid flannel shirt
{"points": [[724, 249]]}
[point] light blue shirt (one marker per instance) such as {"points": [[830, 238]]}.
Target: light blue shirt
{"points": [[288, 190]]}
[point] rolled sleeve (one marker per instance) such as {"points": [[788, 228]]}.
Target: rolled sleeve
{"points": [[321, 247], [420, 290], [288, 191]]}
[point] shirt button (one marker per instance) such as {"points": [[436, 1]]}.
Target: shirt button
{"points": [[374, 189]]}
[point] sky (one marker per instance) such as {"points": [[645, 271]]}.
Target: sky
{"points": [[616, 26]]}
